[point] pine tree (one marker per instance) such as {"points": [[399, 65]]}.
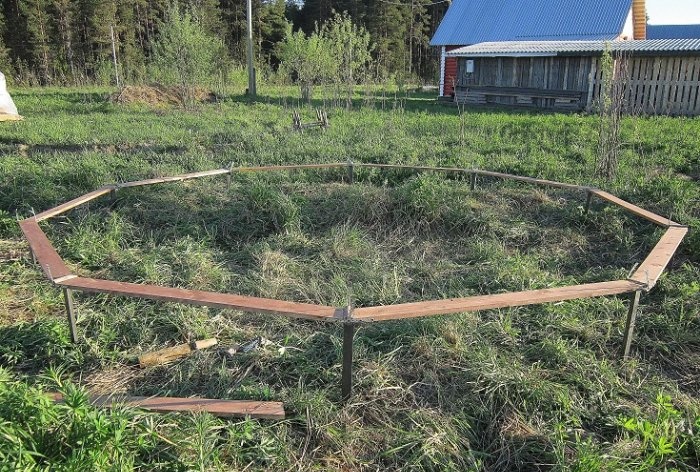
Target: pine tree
{"points": [[63, 13], [39, 33]]}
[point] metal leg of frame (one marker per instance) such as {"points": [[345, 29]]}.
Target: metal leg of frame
{"points": [[68, 299], [351, 173], [348, 335], [473, 181], [589, 199], [631, 320]]}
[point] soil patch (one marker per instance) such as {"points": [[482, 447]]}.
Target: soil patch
{"points": [[160, 95]]}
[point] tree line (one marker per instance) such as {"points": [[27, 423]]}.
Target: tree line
{"points": [[71, 42]]}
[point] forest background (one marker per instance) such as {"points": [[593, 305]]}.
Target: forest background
{"points": [[69, 42]]}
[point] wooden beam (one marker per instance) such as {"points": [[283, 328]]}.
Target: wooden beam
{"points": [[531, 180], [649, 272], [202, 298], [47, 257], [288, 167], [406, 167], [491, 302], [646, 214], [64, 207], [499, 175], [175, 178], [222, 408]]}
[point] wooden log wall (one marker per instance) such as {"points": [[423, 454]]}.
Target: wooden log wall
{"points": [[546, 73], [655, 85]]}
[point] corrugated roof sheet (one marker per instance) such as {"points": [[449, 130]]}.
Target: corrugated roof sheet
{"points": [[477, 21], [673, 31], [556, 48]]}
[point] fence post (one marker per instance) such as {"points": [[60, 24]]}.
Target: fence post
{"points": [[351, 172], [228, 177], [68, 300], [348, 337], [631, 320], [472, 178], [589, 199]]}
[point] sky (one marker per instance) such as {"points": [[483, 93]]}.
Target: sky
{"points": [[674, 12]]}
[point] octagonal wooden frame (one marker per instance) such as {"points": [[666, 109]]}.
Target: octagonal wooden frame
{"points": [[644, 277]]}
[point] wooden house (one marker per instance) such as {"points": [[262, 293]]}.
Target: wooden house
{"points": [[655, 76], [470, 22]]}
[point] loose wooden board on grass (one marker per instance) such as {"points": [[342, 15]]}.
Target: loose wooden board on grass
{"points": [[221, 408]]}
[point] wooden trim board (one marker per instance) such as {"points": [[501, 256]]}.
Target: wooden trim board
{"points": [[646, 214], [649, 272], [44, 252], [175, 178], [64, 207], [491, 302], [202, 298], [531, 180], [221, 408], [288, 167]]}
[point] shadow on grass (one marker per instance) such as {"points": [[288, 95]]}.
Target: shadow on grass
{"points": [[33, 347]]}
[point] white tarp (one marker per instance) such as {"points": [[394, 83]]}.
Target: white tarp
{"points": [[7, 106]]}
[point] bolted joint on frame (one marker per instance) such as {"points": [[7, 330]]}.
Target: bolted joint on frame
{"points": [[345, 314]]}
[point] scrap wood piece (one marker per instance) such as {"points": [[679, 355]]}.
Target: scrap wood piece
{"points": [[170, 354], [221, 408]]}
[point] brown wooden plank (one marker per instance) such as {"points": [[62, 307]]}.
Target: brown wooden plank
{"points": [[222, 408], [64, 207], [650, 270], [288, 167], [531, 180], [175, 178], [202, 298], [491, 302], [646, 214], [500, 175], [47, 257]]}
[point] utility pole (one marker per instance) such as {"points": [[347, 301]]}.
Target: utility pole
{"points": [[114, 54], [251, 69]]}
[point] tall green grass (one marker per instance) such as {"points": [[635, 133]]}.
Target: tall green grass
{"points": [[529, 388]]}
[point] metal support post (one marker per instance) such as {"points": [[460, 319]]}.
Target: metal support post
{"points": [[68, 299], [348, 336], [351, 173], [589, 199], [251, 67], [473, 181], [631, 320]]}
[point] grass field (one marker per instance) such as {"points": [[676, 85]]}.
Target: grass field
{"points": [[532, 388]]}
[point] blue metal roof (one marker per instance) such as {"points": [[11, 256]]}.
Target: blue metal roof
{"points": [[673, 31], [477, 21], [576, 48]]}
